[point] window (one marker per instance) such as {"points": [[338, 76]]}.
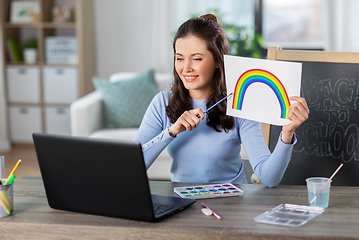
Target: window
{"points": [[236, 16], [239, 12], [294, 24]]}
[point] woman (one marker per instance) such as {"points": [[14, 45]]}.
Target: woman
{"points": [[206, 147]]}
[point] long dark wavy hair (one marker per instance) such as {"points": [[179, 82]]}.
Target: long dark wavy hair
{"points": [[208, 29]]}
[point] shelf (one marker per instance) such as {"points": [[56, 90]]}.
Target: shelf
{"points": [[17, 64], [23, 104], [41, 25], [20, 25], [58, 25], [35, 104], [41, 86], [21, 64], [59, 64]]}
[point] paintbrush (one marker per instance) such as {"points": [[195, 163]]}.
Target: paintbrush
{"points": [[217, 103], [321, 190]]}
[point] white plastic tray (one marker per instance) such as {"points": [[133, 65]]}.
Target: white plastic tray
{"points": [[289, 215]]}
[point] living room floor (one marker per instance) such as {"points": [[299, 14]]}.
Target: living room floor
{"points": [[28, 166]]}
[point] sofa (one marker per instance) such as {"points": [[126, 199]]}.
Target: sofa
{"points": [[87, 121]]}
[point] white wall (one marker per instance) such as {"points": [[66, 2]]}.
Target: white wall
{"points": [[132, 35]]}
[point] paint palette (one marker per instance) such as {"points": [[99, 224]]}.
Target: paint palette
{"points": [[208, 191]]}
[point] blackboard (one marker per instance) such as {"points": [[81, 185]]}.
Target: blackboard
{"points": [[331, 134]]}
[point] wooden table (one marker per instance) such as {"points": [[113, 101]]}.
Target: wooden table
{"points": [[34, 219]]}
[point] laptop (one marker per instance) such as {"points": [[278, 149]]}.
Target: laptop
{"points": [[101, 177]]}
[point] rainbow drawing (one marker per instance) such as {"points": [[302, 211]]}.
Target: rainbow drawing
{"points": [[265, 77]]}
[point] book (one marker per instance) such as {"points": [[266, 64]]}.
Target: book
{"points": [[15, 50], [7, 52]]}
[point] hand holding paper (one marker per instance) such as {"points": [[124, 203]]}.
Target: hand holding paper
{"points": [[298, 113]]}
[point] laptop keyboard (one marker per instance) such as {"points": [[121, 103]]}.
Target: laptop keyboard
{"points": [[161, 208]]}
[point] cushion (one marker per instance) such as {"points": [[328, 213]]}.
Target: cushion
{"points": [[125, 102]]}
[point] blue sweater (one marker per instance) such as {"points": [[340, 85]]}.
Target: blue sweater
{"points": [[207, 156]]}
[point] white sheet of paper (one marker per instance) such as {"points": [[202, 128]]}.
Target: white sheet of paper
{"points": [[261, 88]]}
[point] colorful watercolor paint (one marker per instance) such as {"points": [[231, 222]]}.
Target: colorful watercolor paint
{"points": [[208, 191]]}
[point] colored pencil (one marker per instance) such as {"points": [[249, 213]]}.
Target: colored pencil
{"points": [[4, 206], [11, 180], [5, 202], [13, 171]]}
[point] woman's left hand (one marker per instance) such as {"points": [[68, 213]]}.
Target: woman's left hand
{"points": [[297, 113]]}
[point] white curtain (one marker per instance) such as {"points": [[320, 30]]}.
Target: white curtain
{"points": [[239, 12], [133, 35], [162, 18], [341, 20], [4, 139], [158, 25]]}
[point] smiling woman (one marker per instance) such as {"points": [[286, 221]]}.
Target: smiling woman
{"points": [[195, 66], [202, 45], [205, 147]]}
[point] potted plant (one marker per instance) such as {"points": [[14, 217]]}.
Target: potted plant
{"points": [[30, 50], [243, 42]]}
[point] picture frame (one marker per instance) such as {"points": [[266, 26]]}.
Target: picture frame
{"points": [[24, 11]]}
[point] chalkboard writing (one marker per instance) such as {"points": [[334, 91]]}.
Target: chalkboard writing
{"points": [[331, 134]]}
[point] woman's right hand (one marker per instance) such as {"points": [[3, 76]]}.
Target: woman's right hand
{"points": [[187, 121]]}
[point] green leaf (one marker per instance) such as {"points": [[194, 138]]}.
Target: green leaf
{"points": [[22, 13]]}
